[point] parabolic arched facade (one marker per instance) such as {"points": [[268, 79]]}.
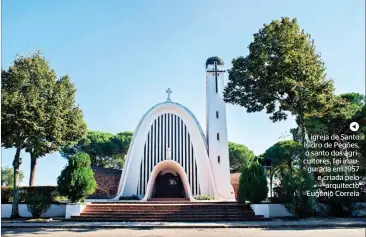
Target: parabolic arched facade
{"points": [[169, 148], [167, 127]]}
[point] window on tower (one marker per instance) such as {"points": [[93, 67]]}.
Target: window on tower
{"points": [[218, 136], [218, 159], [217, 114]]}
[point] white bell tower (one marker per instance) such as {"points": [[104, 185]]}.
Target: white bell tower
{"points": [[216, 129]]}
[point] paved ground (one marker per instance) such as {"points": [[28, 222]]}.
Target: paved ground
{"points": [[227, 232], [275, 223]]}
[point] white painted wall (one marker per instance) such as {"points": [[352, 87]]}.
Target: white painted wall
{"points": [[56, 210], [215, 103], [74, 210], [261, 209], [269, 210]]}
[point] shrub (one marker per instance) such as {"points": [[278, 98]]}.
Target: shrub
{"points": [[204, 197], [6, 195], [253, 184], [77, 178], [280, 195], [297, 184], [38, 204], [27, 192], [343, 206]]}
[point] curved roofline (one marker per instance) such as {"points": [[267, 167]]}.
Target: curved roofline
{"points": [[177, 104]]}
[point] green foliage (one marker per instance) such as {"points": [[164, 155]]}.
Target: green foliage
{"points": [[38, 204], [296, 185], [343, 110], [284, 155], [105, 149], [6, 195], [37, 110], [284, 152], [204, 197], [77, 178], [346, 108], [7, 176], [253, 184], [239, 156], [281, 73], [27, 192]]}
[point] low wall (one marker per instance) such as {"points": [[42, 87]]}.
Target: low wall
{"points": [[270, 210], [56, 210], [74, 210]]}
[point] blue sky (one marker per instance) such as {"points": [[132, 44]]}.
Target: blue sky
{"points": [[123, 55]]}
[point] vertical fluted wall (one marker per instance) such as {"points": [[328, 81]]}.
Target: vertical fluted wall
{"points": [[168, 130]]}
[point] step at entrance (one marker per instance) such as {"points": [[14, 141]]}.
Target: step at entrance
{"points": [[167, 210]]}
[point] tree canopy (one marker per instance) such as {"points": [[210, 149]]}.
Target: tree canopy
{"points": [[346, 108], [284, 155], [282, 74], [47, 114], [105, 149], [286, 152], [7, 176], [37, 112], [239, 156]]}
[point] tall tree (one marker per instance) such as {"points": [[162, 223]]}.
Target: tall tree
{"points": [[105, 149], [284, 156], [239, 156], [62, 121], [7, 176], [282, 74], [346, 108], [30, 120]]}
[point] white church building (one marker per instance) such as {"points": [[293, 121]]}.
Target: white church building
{"points": [[171, 157]]}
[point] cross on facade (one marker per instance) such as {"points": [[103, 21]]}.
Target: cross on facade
{"points": [[168, 91], [169, 153], [216, 88]]}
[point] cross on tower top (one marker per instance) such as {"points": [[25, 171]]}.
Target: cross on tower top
{"points": [[168, 91]]}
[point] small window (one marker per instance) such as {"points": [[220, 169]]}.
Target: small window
{"points": [[218, 136], [218, 159], [217, 114], [218, 74]]}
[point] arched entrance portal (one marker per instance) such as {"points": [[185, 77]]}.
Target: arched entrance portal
{"points": [[165, 172], [168, 185]]}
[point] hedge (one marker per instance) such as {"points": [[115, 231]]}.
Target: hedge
{"points": [[27, 192]]}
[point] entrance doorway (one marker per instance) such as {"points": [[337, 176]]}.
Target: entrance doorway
{"points": [[168, 185]]}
